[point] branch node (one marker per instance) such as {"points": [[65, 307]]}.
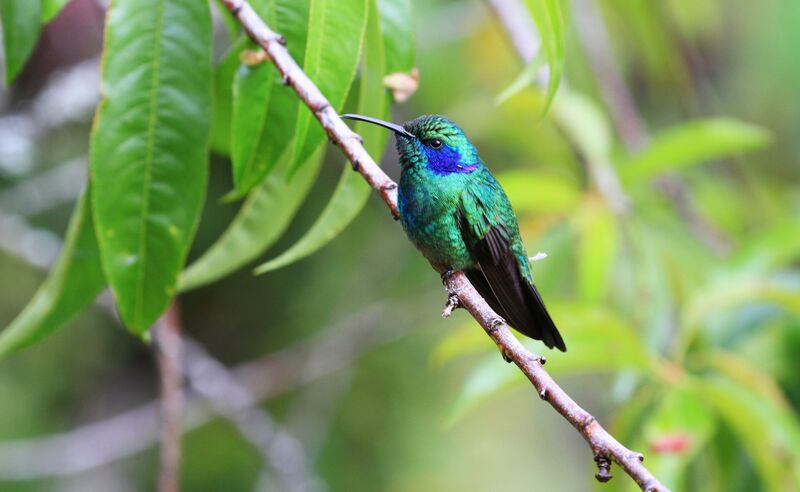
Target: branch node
{"points": [[603, 474], [322, 106], [389, 186], [281, 40], [506, 355], [452, 304], [285, 79], [542, 360], [543, 394]]}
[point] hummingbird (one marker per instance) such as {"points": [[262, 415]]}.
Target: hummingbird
{"points": [[456, 213]]}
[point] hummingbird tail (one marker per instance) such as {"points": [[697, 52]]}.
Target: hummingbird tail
{"points": [[527, 313]]}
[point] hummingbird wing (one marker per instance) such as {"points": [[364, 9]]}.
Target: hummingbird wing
{"points": [[500, 280]]}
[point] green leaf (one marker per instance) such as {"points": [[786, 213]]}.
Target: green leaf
{"points": [[536, 193], [335, 33], [51, 8], [691, 143], [550, 22], [264, 110], [223, 97], [21, 25], [523, 80], [770, 433], [75, 280], [584, 123], [397, 26], [263, 218], [352, 192], [149, 149], [597, 249], [252, 88]]}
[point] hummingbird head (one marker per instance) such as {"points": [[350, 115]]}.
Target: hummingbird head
{"points": [[432, 142]]}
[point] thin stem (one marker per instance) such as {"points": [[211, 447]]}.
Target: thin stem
{"points": [[169, 353]]}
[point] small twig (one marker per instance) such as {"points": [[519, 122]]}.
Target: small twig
{"points": [[281, 451], [600, 440], [169, 353]]}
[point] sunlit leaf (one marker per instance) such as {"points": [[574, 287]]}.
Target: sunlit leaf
{"points": [[597, 248], [51, 8], [536, 193], [149, 149], [584, 123], [771, 248], [263, 218], [550, 23], [335, 34], [75, 280], [523, 80], [21, 24], [693, 143], [352, 192], [737, 290], [770, 433]]}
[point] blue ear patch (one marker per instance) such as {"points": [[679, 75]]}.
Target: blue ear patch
{"points": [[447, 160]]}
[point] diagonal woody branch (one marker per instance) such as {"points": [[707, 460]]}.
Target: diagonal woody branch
{"points": [[603, 445]]}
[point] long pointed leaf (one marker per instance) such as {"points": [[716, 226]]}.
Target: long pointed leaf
{"points": [[335, 33], [264, 216], [51, 8], [397, 26], [264, 110], [75, 280], [21, 25], [550, 22], [692, 143], [352, 192], [149, 149]]}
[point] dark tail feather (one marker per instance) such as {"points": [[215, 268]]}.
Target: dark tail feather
{"points": [[541, 319], [519, 303]]}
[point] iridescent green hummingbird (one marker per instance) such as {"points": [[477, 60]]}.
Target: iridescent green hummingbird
{"points": [[457, 214]]}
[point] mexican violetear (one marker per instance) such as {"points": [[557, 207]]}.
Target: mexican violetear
{"points": [[457, 214]]}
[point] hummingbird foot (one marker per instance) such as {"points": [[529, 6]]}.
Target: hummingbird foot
{"points": [[452, 304], [446, 276]]}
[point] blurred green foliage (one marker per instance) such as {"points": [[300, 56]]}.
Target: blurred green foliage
{"points": [[681, 310]]}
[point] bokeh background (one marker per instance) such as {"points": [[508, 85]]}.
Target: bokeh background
{"points": [[681, 309]]}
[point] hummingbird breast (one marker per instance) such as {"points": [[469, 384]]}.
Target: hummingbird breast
{"points": [[428, 212]]}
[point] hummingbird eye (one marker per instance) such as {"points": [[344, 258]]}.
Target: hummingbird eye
{"points": [[435, 143]]}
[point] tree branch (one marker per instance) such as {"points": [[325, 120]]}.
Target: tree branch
{"points": [[169, 353], [603, 445]]}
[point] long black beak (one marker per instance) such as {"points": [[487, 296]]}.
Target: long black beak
{"points": [[399, 130]]}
